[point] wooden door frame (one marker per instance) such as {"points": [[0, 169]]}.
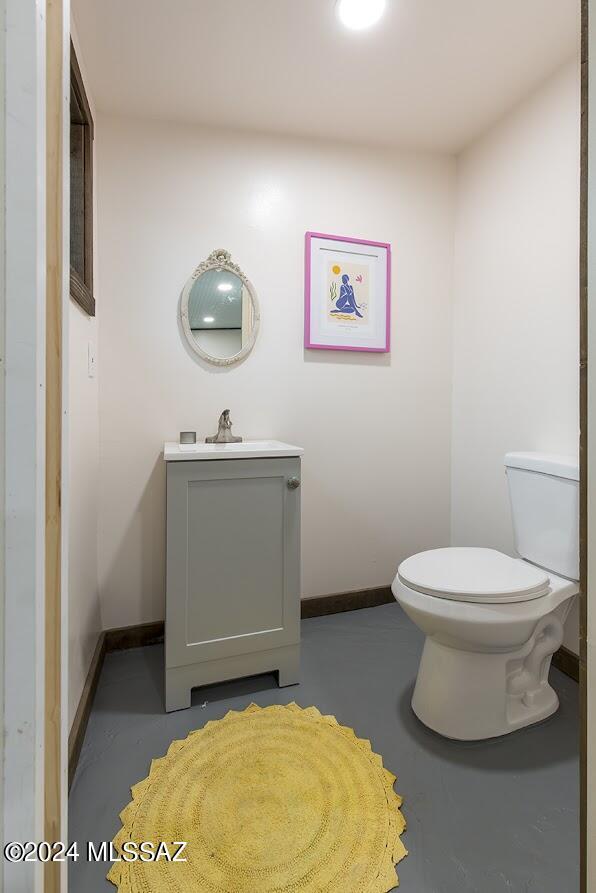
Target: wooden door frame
{"points": [[588, 456], [583, 449], [57, 60]]}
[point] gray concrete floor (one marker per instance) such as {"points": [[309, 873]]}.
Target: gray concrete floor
{"points": [[490, 817]]}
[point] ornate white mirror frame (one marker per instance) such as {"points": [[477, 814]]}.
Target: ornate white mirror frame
{"points": [[220, 259]]}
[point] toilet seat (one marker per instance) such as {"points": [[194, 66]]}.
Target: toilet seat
{"points": [[473, 575]]}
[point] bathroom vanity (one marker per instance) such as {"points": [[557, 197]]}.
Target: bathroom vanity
{"points": [[233, 564]]}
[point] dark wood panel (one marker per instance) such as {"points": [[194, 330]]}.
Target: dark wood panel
{"points": [[81, 190], [79, 726], [134, 636], [81, 294], [319, 606], [567, 662]]}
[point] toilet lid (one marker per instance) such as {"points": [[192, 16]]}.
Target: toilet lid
{"points": [[473, 575]]}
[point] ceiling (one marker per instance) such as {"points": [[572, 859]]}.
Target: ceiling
{"points": [[433, 74]]}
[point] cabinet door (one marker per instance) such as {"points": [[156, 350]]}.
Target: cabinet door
{"points": [[233, 558]]}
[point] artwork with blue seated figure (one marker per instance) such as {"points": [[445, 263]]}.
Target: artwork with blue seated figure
{"points": [[346, 303], [347, 293]]}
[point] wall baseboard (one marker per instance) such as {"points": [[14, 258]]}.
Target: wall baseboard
{"points": [[567, 662], [337, 603], [152, 633], [79, 725], [134, 636]]}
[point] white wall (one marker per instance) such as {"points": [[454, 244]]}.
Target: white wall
{"points": [[516, 304], [376, 428], [84, 611]]}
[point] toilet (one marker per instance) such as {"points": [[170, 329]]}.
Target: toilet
{"points": [[493, 622]]}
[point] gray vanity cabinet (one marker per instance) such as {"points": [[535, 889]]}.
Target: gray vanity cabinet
{"points": [[233, 572]]}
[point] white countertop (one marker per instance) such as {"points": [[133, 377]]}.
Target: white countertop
{"points": [[248, 449]]}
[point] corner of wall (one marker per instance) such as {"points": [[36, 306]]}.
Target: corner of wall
{"points": [[515, 303], [84, 605]]}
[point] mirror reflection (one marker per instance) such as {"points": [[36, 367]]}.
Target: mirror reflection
{"points": [[220, 313]]}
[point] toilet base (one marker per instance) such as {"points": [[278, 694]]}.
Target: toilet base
{"points": [[469, 696]]}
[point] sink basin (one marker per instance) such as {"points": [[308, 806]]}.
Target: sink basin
{"points": [[248, 449]]}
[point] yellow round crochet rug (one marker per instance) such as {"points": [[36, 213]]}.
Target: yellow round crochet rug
{"points": [[268, 800]]}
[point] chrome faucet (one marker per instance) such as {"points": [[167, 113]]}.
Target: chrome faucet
{"points": [[224, 430]]}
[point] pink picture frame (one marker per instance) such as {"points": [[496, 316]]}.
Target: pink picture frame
{"points": [[318, 335]]}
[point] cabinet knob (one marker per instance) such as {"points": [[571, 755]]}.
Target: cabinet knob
{"points": [[293, 483]]}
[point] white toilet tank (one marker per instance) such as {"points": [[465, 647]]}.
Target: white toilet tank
{"points": [[544, 493]]}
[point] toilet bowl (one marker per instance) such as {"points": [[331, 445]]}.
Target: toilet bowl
{"points": [[484, 668], [493, 622]]}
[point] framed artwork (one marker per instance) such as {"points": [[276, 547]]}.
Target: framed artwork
{"points": [[347, 293]]}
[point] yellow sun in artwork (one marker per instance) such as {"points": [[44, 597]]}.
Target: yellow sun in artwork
{"points": [[336, 269]]}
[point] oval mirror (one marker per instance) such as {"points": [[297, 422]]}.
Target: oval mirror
{"points": [[219, 311]]}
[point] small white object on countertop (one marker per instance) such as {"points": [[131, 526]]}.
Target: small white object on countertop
{"points": [[247, 449]]}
